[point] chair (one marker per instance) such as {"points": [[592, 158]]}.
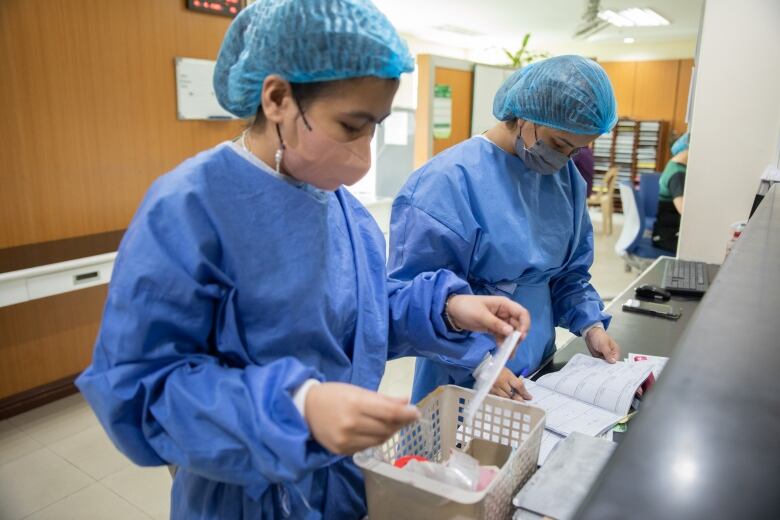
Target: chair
{"points": [[603, 197], [635, 243], [649, 187]]}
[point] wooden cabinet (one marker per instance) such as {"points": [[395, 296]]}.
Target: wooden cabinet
{"points": [[622, 74], [45, 340], [88, 122], [89, 110], [679, 126], [653, 90]]}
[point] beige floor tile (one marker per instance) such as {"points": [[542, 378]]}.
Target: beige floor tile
{"points": [[398, 377], [92, 452], [95, 502], [562, 336], [608, 272], [149, 489], [15, 443], [37, 480], [50, 424], [67, 404]]}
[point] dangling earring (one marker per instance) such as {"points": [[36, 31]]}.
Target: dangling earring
{"points": [[279, 151]]}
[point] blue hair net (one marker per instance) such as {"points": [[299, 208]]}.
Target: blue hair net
{"points": [[681, 144], [570, 93], [304, 41]]}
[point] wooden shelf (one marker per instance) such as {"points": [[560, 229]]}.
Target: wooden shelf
{"points": [[634, 146]]}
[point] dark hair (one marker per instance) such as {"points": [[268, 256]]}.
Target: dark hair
{"points": [[304, 94]]}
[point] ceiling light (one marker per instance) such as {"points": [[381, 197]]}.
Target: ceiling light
{"points": [[628, 40], [644, 17], [634, 17], [615, 19]]}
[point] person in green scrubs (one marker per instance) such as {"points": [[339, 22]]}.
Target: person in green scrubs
{"points": [[666, 230]]}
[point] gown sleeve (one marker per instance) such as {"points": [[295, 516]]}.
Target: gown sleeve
{"points": [[428, 262], [155, 383], [576, 304]]}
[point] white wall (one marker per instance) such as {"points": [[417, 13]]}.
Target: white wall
{"points": [[735, 125], [418, 46], [487, 81], [602, 51]]}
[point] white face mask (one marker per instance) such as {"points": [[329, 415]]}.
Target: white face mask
{"points": [[540, 157]]}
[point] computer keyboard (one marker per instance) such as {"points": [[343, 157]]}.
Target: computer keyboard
{"points": [[686, 278]]}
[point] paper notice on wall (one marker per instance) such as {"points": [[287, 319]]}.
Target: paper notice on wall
{"points": [[195, 97], [442, 111]]}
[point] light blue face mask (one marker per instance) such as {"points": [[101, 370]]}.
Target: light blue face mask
{"points": [[540, 157]]}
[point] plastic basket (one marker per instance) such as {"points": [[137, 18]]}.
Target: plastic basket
{"points": [[394, 493]]}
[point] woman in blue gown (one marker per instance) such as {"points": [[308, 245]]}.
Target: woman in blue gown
{"points": [[506, 211], [249, 317]]}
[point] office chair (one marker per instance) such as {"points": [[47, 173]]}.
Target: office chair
{"points": [[635, 244], [649, 187]]}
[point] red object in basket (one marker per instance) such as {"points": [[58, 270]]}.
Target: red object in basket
{"points": [[400, 462]]}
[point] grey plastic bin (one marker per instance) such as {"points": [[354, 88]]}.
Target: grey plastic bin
{"points": [[397, 494]]}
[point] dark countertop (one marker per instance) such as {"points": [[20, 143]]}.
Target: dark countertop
{"points": [[706, 443], [43, 253], [637, 333]]}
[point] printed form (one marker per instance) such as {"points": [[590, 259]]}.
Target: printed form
{"points": [[594, 381], [566, 415], [588, 396]]}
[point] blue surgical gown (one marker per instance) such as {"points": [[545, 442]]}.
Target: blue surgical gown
{"points": [[478, 211], [231, 288]]}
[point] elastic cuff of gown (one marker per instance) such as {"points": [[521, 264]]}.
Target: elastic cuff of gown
{"points": [[456, 286], [604, 318]]}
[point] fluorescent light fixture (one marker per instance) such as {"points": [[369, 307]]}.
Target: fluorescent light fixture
{"points": [[634, 17], [628, 39], [644, 17], [615, 18]]}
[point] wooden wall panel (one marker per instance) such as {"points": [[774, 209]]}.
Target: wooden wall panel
{"points": [[622, 75], [89, 110], [422, 116], [462, 83], [655, 89], [47, 339], [679, 126]]}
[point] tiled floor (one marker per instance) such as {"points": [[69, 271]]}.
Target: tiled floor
{"points": [[56, 463]]}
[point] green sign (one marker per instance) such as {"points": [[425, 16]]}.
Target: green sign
{"points": [[442, 111]]}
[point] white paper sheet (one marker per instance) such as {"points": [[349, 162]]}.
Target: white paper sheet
{"points": [[658, 362], [549, 441], [594, 381], [566, 415]]}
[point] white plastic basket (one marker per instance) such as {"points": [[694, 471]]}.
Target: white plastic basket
{"points": [[394, 493]]}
